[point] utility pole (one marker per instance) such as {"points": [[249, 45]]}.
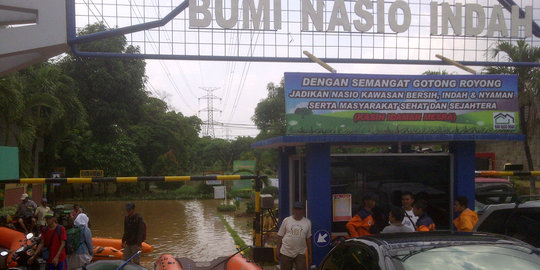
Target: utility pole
{"points": [[208, 129]]}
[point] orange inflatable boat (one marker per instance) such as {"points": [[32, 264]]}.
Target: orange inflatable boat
{"points": [[235, 262], [166, 262], [107, 253], [12, 240], [117, 243]]}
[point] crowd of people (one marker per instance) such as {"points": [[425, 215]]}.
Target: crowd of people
{"points": [[71, 248], [294, 235], [411, 217]]}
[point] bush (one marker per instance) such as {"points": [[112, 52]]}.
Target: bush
{"points": [[226, 208], [274, 191], [205, 189], [246, 194]]}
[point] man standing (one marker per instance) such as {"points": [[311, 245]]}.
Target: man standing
{"points": [[407, 201], [424, 223], [53, 237], [40, 213], [362, 222], [133, 233], [25, 213], [467, 218], [396, 217], [294, 237]]}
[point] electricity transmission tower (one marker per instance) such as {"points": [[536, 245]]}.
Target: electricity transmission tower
{"points": [[208, 129]]}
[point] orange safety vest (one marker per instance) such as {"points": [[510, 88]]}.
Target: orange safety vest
{"points": [[360, 224], [425, 224]]}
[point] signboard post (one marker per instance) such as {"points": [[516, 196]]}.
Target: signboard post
{"points": [[91, 173], [400, 104]]}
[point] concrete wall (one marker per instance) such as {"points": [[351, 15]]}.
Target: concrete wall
{"points": [[512, 152]]}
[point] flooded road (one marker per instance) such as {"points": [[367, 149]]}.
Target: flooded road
{"points": [[181, 228]]}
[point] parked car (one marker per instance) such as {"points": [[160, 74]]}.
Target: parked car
{"points": [[432, 250], [493, 191], [519, 220]]}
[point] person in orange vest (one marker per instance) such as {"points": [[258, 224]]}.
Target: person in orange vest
{"points": [[424, 223], [467, 218], [362, 222]]}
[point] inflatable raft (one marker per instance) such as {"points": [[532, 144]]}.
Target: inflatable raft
{"points": [[107, 253], [234, 262], [112, 265], [117, 243], [11, 240]]}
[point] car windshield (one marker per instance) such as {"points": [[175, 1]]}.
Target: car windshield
{"points": [[477, 257]]}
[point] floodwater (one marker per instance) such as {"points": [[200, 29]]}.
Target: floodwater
{"points": [[181, 228]]}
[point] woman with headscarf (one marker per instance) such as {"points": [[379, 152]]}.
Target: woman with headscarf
{"points": [[83, 254]]}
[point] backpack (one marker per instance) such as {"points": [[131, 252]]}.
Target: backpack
{"points": [[73, 239]]}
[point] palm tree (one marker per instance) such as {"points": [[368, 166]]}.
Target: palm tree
{"points": [[528, 83]]}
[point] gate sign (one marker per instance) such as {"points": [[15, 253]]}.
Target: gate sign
{"points": [[324, 103]]}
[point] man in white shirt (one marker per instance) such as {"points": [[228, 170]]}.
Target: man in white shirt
{"points": [[407, 201], [294, 238], [40, 213]]}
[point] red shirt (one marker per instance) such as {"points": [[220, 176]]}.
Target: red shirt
{"points": [[52, 242]]}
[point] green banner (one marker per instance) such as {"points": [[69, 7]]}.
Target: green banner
{"points": [[330, 103]]}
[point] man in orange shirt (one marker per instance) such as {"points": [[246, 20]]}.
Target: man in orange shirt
{"points": [[362, 222], [467, 218]]}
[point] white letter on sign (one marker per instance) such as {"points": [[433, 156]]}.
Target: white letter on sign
{"points": [[262, 10], [195, 9], [497, 22], [367, 16], [316, 16], [449, 17], [470, 11], [392, 16], [342, 19], [525, 22], [220, 14]]}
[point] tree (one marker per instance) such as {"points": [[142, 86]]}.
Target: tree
{"points": [[40, 104], [270, 112], [528, 87], [270, 120], [112, 90]]}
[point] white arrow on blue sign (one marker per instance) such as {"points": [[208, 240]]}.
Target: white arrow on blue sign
{"points": [[322, 238]]}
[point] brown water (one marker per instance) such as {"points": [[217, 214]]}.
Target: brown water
{"points": [[181, 228]]}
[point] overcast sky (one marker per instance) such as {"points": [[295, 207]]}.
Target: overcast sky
{"points": [[241, 85], [189, 76]]}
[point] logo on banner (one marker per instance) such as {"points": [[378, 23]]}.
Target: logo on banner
{"points": [[322, 238], [504, 121]]}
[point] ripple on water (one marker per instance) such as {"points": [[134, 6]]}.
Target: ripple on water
{"points": [[181, 228]]}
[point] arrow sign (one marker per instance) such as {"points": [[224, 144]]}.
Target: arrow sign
{"points": [[322, 238]]}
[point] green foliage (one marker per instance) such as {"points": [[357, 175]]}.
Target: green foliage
{"points": [[274, 191], [246, 194], [270, 112], [237, 239], [250, 207], [528, 85], [226, 208], [203, 188], [166, 164]]}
